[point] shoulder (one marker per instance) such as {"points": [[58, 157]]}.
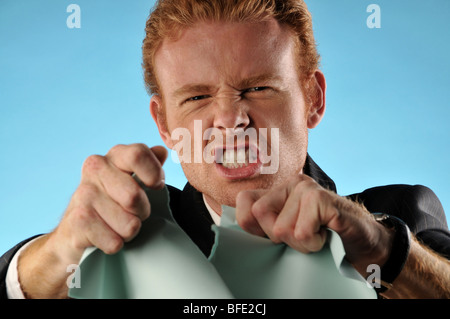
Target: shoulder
{"points": [[417, 205]]}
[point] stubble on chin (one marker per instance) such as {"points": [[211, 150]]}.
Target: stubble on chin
{"points": [[225, 192]]}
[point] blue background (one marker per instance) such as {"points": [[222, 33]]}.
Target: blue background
{"points": [[68, 93]]}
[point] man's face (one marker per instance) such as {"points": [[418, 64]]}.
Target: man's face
{"points": [[233, 77]]}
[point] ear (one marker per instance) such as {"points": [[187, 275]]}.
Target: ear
{"points": [[159, 116], [317, 107]]}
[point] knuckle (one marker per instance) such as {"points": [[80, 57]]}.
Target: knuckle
{"points": [[116, 149], [315, 195], [280, 233], [80, 221], [321, 195], [258, 209], [132, 228], [145, 211], [83, 216], [132, 198], [301, 236], [245, 221], [309, 240], [112, 246], [77, 244], [244, 196], [155, 178], [93, 164], [85, 192], [138, 153]]}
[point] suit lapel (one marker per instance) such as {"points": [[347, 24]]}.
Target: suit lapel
{"points": [[191, 214], [315, 172]]}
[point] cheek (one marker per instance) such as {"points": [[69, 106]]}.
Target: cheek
{"points": [[294, 132], [190, 139], [288, 117], [293, 138]]}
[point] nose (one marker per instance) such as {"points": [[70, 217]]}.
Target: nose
{"points": [[230, 113]]}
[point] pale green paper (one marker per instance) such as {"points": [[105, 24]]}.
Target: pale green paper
{"points": [[255, 267], [162, 262]]}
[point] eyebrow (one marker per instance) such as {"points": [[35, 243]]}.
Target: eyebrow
{"points": [[192, 88], [257, 80], [241, 85]]}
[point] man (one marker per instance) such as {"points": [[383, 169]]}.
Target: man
{"points": [[233, 66]]}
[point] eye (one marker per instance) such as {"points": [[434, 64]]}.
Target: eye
{"points": [[197, 98], [256, 89]]}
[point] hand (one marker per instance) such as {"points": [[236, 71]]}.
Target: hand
{"points": [[108, 207], [105, 211], [298, 212]]}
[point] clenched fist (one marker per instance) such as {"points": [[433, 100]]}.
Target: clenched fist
{"points": [[298, 212], [105, 211]]}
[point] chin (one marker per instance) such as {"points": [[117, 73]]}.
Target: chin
{"points": [[225, 193]]}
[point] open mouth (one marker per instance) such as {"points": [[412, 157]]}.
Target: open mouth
{"points": [[236, 158], [238, 162]]}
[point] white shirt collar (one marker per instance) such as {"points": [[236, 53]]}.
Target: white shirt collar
{"points": [[215, 217]]}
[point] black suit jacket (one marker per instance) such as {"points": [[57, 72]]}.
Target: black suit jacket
{"points": [[417, 205]]}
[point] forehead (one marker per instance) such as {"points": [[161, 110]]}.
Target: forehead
{"points": [[212, 51]]}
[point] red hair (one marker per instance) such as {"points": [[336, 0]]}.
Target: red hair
{"points": [[170, 17]]}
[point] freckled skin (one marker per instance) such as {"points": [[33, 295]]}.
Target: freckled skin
{"points": [[224, 56]]}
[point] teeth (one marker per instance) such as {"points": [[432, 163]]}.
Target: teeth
{"points": [[239, 158], [228, 157], [252, 156]]}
